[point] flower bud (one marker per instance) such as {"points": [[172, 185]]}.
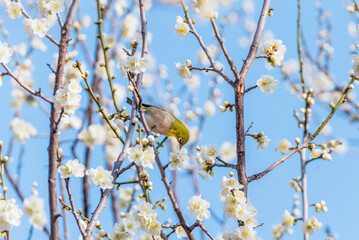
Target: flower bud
{"points": [[297, 141], [331, 104], [222, 108], [151, 138]]}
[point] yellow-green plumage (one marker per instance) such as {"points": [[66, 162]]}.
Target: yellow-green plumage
{"points": [[165, 123]]}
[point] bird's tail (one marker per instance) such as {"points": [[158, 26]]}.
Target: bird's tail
{"points": [[129, 101]]}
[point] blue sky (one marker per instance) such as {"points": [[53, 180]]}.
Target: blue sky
{"points": [[334, 182]]}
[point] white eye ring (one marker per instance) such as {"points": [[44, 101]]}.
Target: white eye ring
{"points": [[180, 139]]}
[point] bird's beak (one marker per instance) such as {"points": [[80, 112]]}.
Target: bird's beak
{"points": [[180, 146]]}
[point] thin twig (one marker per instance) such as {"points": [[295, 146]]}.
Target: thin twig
{"points": [[224, 50], [73, 208], [24, 86], [203, 46]]}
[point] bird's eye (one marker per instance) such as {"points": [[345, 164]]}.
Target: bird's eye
{"points": [[180, 139]]}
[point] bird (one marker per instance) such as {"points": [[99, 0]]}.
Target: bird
{"points": [[165, 123]]}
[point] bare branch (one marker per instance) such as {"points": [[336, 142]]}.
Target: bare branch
{"points": [[256, 40], [225, 52], [24, 86], [73, 208], [203, 46]]}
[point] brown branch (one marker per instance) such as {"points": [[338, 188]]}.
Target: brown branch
{"points": [[251, 88], [51, 38], [274, 165], [256, 40], [203, 46], [73, 208], [24, 86], [54, 121], [200, 224], [224, 50]]}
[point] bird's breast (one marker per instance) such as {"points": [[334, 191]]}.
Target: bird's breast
{"points": [[158, 120]]}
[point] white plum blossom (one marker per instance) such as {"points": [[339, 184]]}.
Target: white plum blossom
{"points": [[180, 232], [146, 215], [93, 135], [204, 8], [34, 208], [178, 159], [69, 96], [37, 26], [71, 168], [141, 158], [184, 70], [326, 155], [194, 82], [67, 121], [14, 10], [5, 53], [135, 154], [209, 108], [198, 207], [274, 51], [134, 64], [310, 225], [10, 214], [263, 142], [120, 6], [56, 6], [124, 198], [355, 64], [100, 177], [290, 67], [267, 84], [283, 146], [129, 26], [38, 220], [287, 219], [316, 153], [148, 158], [228, 151], [21, 129], [181, 27]]}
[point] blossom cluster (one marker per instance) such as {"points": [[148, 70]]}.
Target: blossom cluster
{"points": [[206, 159], [69, 96], [310, 225], [178, 159], [198, 207], [283, 146], [267, 84], [10, 214], [274, 51], [287, 221], [142, 217], [21, 129], [181, 27], [5, 53], [184, 70], [143, 158], [100, 177], [238, 207], [71, 168], [204, 8], [34, 208], [134, 64], [93, 135]]}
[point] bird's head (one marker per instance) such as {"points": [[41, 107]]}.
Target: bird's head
{"points": [[180, 132]]}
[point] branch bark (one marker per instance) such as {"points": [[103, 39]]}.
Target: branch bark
{"points": [[54, 122]]}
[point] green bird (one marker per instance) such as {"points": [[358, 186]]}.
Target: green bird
{"points": [[165, 123]]}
